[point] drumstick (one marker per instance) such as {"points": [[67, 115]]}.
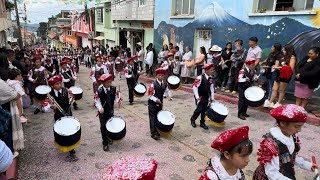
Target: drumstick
{"points": [[315, 169], [102, 107]]}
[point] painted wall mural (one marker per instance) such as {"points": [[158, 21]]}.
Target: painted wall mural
{"points": [[228, 20]]}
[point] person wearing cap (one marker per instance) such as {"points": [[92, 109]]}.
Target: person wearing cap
{"points": [[37, 76], [278, 152], [68, 77], [233, 148], [96, 71], [119, 65], [110, 65], [50, 67], [104, 102], [62, 97], [131, 72], [203, 90], [247, 75], [156, 91], [140, 55]]}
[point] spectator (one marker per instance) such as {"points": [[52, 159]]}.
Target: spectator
{"points": [[149, 61], [177, 53], [4, 67], [285, 67], [140, 55], [268, 71], [216, 60], [5, 159], [202, 57], [209, 56], [163, 54], [185, 70], [307, 77], [171, 49], [237, 63], [26, 82], [225, 65], [254, 52], [12, 60]]}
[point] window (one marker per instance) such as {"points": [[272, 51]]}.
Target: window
{"points": [[99, 15], [182, 7], [283, 5], [69, 33], [142, 3], [79, 23]]}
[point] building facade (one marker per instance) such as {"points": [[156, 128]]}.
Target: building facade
{"points": [[83, 27], [5, 23], [105, 29], [188, 23], [134, 21]]}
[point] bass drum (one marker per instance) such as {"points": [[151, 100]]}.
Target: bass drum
{"points": [[173, 82], [67, 133], [77, 92], [165, 122], [216, 114], [116, 128], [42, 91], [140, 90], [254, 96]]}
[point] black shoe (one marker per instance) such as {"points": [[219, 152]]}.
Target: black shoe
{"points": [[193, 124], [75, 107], [241, 116], [155, 137], [36, 111], [131, 103], [246, 115], [106, 147], [110, 141], [204, 126]]}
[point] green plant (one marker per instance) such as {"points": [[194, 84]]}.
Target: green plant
{"points": [[262, 10]]}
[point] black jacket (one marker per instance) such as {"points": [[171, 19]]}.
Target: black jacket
{"points": [[309, 72]]}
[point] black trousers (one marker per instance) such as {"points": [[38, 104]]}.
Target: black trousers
{"points": [[201, 109], [153, 111], [130, 84], [242, 105], [103, 121]]}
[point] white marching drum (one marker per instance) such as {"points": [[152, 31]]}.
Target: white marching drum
{"points": [[216, 114], [165, 121], [116, 128], [173, 82], [67, 133], [140, 89], [42, 91], [255, 96], [77, 92]]}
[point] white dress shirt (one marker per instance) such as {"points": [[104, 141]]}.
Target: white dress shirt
{"points": [[196, 86]]}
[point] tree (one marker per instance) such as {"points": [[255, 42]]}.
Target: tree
{"points": [[42, 30]]}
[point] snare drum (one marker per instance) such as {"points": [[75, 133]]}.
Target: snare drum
{"points": [[67, 133], [216, 114], [255, 96], [165, 121], [42, 91], [139, 90], [77, 92], [116, 128], [173, 82]]}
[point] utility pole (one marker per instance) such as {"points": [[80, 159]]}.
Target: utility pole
{"points": [[25, 20], [18, 24]]}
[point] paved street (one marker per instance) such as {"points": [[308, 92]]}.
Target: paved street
{"points": [[180, 156]]}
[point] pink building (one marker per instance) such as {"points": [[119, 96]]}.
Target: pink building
{"points": [[83, 30]]}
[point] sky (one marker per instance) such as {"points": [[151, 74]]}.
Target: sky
{"points": [[40, 12]]}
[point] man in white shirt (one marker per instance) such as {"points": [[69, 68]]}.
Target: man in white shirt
{"points": [[254, 52], [149, 61]]}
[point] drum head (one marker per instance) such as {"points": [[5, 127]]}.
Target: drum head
{"points": [[75, 90], [173, 80], [115, 125], [66, 126], [43, 89], [140, 88], [254, 93], [219, 108], [166, 117]]}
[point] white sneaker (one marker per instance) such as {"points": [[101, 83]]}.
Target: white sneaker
{"points": [[277, 105], [271, 104], [266, 103], [15, 154]]}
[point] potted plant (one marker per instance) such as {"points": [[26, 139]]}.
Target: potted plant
{"points": [[262, 10]]}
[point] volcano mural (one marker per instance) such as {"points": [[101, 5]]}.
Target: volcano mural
{"points": [[228, 20]]}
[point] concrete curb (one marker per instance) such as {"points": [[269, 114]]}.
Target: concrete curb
{"points": [[313, 120]]}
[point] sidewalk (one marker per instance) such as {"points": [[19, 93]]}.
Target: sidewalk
{"points": [[228, 97]]}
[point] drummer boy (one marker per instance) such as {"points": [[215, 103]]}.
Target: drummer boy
{"points": [[245, 79], [131, 72], [155, 103], [104, 102], [63, 98]]}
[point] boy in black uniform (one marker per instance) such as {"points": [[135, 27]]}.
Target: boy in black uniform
{"points": [[104, 102], [203, 92], [131, 72], [245, 79], [50, 67], [156, 91], [62, 96]]}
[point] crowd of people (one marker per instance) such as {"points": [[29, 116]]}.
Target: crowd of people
{"points": [[230, 69]]}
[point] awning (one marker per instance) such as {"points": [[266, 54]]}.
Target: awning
{"points": [[99, 38]]}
